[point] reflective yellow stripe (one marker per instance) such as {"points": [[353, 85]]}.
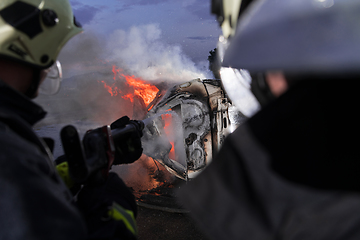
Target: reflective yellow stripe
{"points": [[119, 213], [63, 170]]}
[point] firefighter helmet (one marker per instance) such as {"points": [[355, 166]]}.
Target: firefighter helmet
{"points": [[34, 31], [317, 37]]}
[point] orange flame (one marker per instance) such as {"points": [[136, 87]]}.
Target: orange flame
{"points": [[115, 71], [113, 90], [140, 88], [144, 90], [129, 96], [168, 130]]}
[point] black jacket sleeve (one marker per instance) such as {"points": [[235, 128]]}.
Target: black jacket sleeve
{"points": [[34, 202]]}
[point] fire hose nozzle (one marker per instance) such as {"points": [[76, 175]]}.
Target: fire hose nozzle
{"points": [[132, 126], [94, 155]]}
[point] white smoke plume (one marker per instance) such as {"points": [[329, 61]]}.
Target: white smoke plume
{"points": [[143, 51]]}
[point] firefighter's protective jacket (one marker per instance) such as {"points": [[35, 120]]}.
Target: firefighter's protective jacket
{"points": [[290, 172], [34, 201]]}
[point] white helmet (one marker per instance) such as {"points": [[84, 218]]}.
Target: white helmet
{"points": [[299, 37], [34, 31]]}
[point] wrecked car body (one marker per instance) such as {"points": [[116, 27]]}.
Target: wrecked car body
{"points": [[200, 115]]}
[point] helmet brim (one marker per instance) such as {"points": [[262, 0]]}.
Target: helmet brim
{"points": [[298, 37]]}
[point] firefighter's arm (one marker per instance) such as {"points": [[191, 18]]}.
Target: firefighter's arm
{"points": [[90, 159], [109, 209]]}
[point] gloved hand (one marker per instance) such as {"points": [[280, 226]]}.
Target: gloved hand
{"points": [[109, 209], [128, 148], [62, 168]]}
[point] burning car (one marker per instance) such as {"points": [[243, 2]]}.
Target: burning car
{"points": [[186, 125], [190, 123]]}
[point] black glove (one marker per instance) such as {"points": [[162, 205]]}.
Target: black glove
{"points": [[127, 148], [95, 202]]}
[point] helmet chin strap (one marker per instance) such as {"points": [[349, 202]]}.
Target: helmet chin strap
{"points": [[34, 86]]}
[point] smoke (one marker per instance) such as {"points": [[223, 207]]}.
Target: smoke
{"points": [[88, 60], [83, 54], [143, 51]]}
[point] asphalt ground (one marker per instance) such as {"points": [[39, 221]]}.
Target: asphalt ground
{"points": [[158, 224]]}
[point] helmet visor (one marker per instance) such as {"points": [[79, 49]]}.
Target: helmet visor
{"points": [[51, 84]]}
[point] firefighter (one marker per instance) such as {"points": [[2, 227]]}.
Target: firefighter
{"points": [[292, 170], [35, 203]]}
